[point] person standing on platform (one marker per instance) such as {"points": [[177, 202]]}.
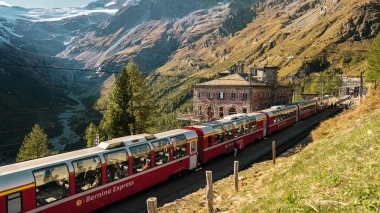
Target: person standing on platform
{"points": [[235, 148], [241, 147]]}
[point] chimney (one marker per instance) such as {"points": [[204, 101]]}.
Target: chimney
{"points": [[239, 67]]}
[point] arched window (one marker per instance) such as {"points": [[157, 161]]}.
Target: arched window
{"points": [[232, 111], [209, 111]]}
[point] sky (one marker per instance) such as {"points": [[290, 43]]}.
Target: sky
{"points": [[48, 3]]}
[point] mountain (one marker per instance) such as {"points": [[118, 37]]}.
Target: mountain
{"points": [[191, 41], [158, 33], [180, 43], [35, 84]]}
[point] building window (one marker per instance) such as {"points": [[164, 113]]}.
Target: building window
{"points": [[209, 111], [253, 71], [233, 95], [221, 95], [199, 94], [209, 95], [245, 95], [244, 110]]}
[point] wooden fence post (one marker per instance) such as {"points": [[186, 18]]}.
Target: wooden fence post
{"points": [[209, 191], [236, 174], [274, 152], [152, 205]]}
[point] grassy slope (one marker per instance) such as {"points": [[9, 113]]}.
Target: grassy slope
{"points": [[338, 172]]}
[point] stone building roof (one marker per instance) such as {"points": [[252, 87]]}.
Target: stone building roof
{"points": [[230, 80], [266, 66], [234, 80]]}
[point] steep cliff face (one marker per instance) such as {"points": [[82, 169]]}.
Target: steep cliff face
{"points": [[151, 31], [172, 35]]}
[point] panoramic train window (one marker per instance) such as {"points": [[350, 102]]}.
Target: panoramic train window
{"points": [[179, 146], [14, 203], [251, 126], [218, 134], [52, 183], [209, 140], [229, 130], [141, 157], [117, 165], [161, 151], [237, 127], [244, 123], [88, 173]]}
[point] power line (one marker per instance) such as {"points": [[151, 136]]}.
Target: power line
{"points": [[85, 70]]}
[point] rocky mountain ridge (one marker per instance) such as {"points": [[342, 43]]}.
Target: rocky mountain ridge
{"points": [[193, 39]]}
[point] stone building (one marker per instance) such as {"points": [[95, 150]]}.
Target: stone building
{"points": [[239, 92]]}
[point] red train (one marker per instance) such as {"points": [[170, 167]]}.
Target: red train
{"points": [[85, 180]]}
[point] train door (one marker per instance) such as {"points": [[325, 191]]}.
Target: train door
{"points": [[265, 124], [193, 154]]}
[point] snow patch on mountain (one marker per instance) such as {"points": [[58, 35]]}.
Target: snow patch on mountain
{"points": [[109, 4], [3, 3], [58, 14], [11, 14]]}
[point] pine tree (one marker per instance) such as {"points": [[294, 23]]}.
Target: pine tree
{"points": [[35, 145], [131, 109], [143, 108], [373, 61], [90, 134]]}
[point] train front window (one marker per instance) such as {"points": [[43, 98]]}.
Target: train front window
{"points": [[161, 152], [52, 183], [88, 173], [117, 165], [14, 203]]}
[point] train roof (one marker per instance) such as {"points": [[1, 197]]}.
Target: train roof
{"points": [[257, 115], [275, 109], [235, 116], [125, 141], [305, 102], [205, 129], [49, 160], [188, 133]]}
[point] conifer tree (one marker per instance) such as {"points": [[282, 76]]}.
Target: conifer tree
{"points": [[142, 106], [373, 61], [90, 134], [35, 145], [131, 109]]}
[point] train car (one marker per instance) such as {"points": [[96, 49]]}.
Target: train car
{"points": [[280, 117], [306, 108], [85, 180], [217, 137], [322, 106]]}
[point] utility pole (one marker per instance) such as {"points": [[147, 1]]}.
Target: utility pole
{"points": [[291, 75], [361, 86]]}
